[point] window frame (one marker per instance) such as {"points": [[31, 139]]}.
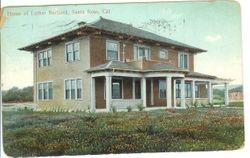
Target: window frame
{"points": [[120, 81], [40, 60], [72, 44], [136, 54], [76, 88], [42, 90], [188, 90], [159, 92], [118, 51], [181, 65], [165, 51]]}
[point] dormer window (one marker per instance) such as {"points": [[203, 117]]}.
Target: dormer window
{"points": [[45, 58], [163, 54], [183, 60], [112, 50], [141, 51]]}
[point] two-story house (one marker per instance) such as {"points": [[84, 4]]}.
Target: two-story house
{"points": [[108, 63]]}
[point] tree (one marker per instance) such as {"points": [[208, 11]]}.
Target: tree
{"points": [[18, 95]]}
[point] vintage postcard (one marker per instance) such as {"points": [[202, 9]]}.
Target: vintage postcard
{"points": [[121, 78]]}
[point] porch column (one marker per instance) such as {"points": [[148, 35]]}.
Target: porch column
{"points": [[108, 92], [193, 91], [183, 93], [143, 92], [226, 94], [174, 93], [169, 92], [210, 93], [92, 99], [133, 89], [152, 91]]}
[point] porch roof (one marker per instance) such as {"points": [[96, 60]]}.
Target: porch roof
{"points": [[200, 75], [126, 66]]}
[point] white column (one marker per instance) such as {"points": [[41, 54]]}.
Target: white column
{"points": [[152, 91], [226, 94], [174, 93], [183, 93], [193, 91], [143, 92], [92, 99], [133, 89], [108, 92], [210, 93], [169, 92]]}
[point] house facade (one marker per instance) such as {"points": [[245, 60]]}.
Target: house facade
{"points": [[108, 64], [236, 94]]}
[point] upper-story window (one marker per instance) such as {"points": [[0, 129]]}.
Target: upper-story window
{"points": [[112, 50], [183, 60], [72, 51], [141, 51], [163, 54], [45, 58]]}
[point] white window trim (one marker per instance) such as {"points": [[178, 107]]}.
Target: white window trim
{"points": [[38, 54], [159, 95], [122, 88], [166, 53], [65, 50], [144, 46], [179, 58], [37, 90], [78, 78], [118, 45], [116, 78]]}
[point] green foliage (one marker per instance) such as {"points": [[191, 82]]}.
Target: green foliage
{"points": [[140, 107], [27, 133], [236, 104], [18, 95], [113, 109], [129, 108]]}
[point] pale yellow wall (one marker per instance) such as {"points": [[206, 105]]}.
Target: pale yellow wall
{"points": [[59, 71]]}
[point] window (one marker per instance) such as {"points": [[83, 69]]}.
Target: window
{"points": [[163, 54], [73, 89], [45, 58], [197, 91], [116, 89], [188, 90], [112, 50], [162, 89], [45, 91], [72, 52], [137, 89], [183, 60], [178, 89], [141, 51]]}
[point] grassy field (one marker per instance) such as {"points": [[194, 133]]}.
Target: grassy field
{"points": [[28, 133]]}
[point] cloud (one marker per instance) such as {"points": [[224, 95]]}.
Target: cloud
{"points": [[213, 38]]}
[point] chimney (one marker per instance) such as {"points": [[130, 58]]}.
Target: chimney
{"points": [[81, 23]]}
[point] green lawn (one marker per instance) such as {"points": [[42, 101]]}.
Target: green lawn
{"points": [[29, 133]]}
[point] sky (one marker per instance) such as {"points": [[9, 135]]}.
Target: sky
{"points": [[214, 26]]}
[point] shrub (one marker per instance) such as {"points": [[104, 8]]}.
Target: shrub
{"points": [[113, 109], [129, 108], [140, 107]]}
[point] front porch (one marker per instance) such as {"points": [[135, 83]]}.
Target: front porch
{"points": [[151, 90]]}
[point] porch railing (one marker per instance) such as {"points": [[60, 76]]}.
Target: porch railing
{"points": [[124, 103]]}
